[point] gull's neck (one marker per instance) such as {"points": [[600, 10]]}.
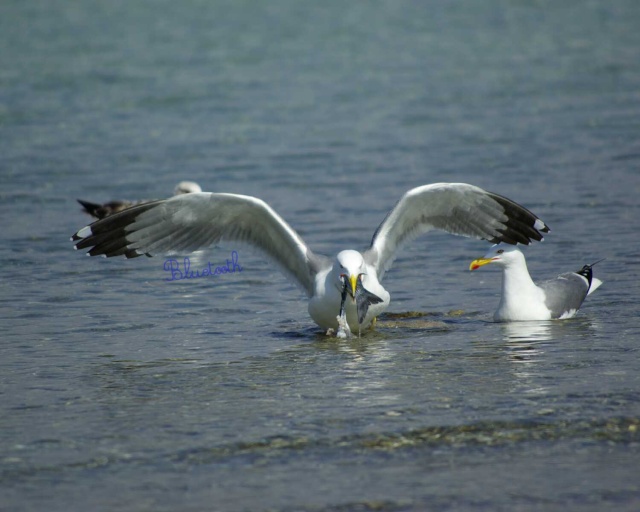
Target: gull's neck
{"points": [[521, 298]]}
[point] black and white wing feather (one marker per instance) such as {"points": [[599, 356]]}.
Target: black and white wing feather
{"points": [[458, 208], [192, 222]]}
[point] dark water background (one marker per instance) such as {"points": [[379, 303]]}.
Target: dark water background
{"points": [[121, 391]]}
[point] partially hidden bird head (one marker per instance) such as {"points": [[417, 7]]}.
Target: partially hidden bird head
{"points": [[350, 268], [503, 255], [186, 187]]}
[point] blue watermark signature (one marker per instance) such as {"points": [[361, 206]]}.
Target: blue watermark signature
{"points": [[179, 272]]}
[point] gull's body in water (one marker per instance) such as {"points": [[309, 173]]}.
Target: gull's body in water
{"points": [[363, 298], [522, 299], [193, 222], [102, 210]]}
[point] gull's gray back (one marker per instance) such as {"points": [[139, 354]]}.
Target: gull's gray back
{"points": [[564, 293]]}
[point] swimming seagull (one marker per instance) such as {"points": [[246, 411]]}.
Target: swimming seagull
{"points": [[191, 222], [522, 299], [100, 211]]}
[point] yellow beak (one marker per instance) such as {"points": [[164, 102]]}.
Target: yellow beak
{"points": [[354, 284], [476, 264]]}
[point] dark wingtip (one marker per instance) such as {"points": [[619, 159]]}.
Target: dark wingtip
{"points": [[540, 225], [587, 271], [522, 226], [108, 237]]}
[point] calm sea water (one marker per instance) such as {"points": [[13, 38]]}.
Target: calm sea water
{"points": [[122, 391]]}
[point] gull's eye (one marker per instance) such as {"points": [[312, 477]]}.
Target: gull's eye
{"points": [[500, 251]]}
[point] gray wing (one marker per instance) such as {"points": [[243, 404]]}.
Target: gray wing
{"points": [[191, 222], [457, 208], [565, 293]]}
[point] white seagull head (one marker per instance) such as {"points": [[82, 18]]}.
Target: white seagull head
{"points": [[187, 187], [349, 267], [502, 255]]}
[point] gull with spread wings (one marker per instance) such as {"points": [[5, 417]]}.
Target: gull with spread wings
{"points": [[193, 222]]}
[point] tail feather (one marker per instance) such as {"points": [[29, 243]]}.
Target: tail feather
{"points": [[595, 284]]}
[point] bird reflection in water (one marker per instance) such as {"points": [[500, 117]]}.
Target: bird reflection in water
{"points": [[525, 349]]}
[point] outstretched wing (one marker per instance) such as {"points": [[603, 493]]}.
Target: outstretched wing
{"points": [[457, 208], [191, 222]]}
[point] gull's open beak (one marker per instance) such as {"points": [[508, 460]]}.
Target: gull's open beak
{"points": [[353, 280], [476, 264]]}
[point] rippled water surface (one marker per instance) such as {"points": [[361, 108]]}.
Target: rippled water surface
{"points": [[120, 390]]}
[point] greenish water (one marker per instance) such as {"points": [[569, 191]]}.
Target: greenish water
{"points": [[120, 390]]}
